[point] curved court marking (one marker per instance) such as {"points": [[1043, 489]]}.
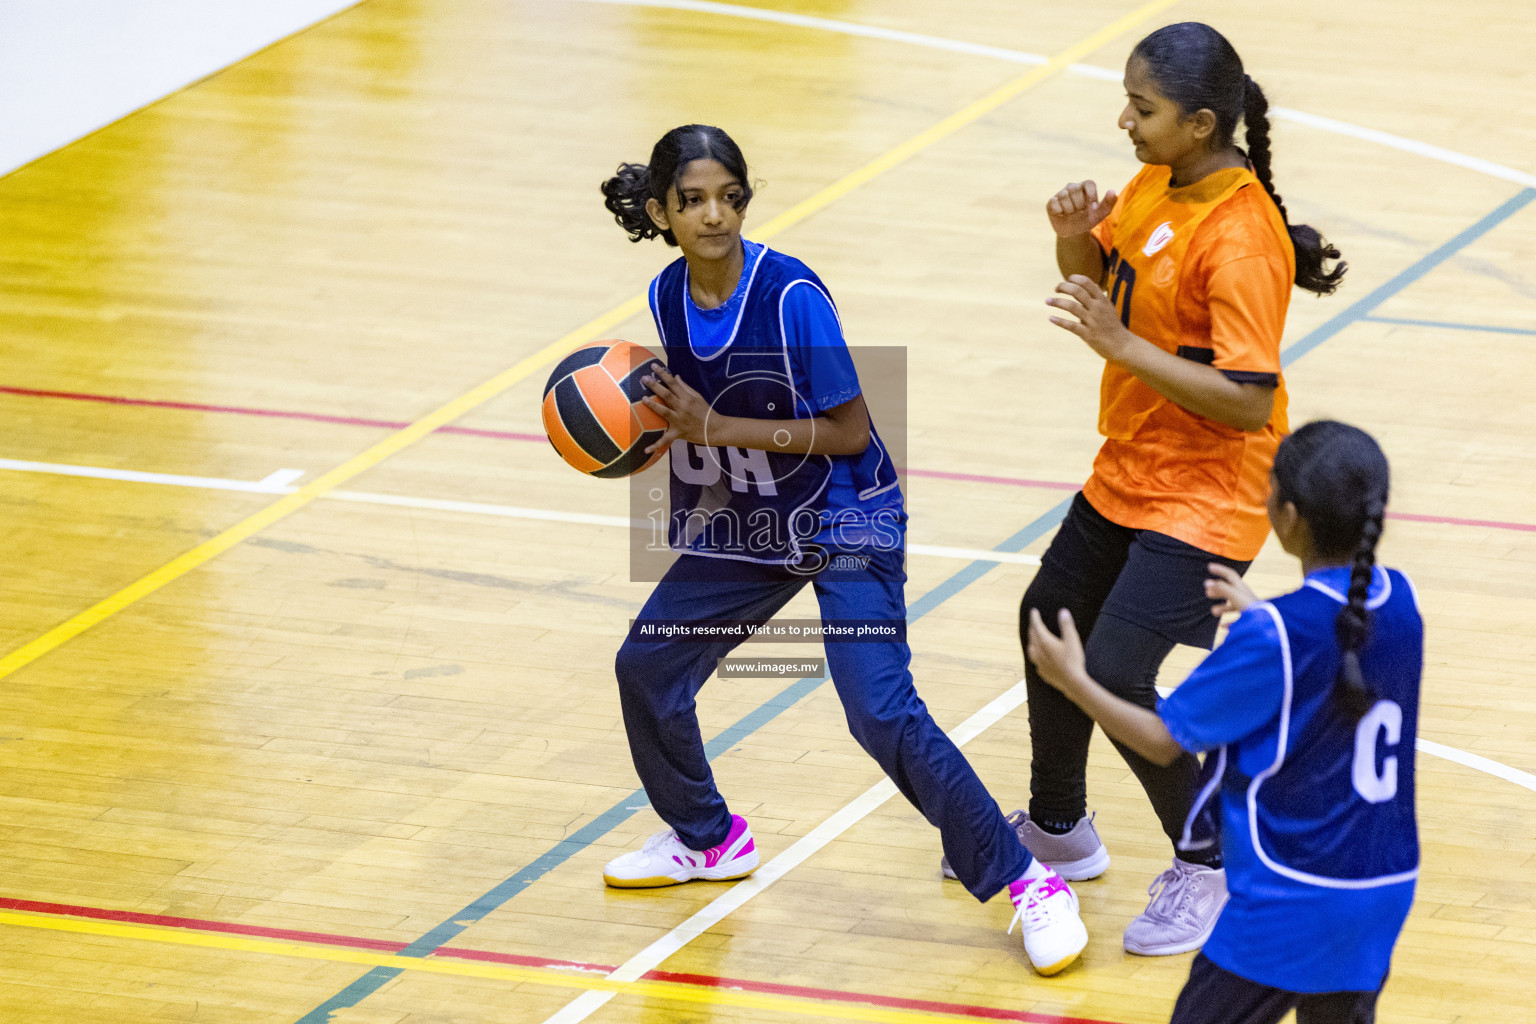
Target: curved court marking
{"points": [[1486, 765], [636, 304], [1086, 71], [1479, 763], [850, 28]]}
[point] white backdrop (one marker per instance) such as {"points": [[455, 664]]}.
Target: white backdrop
{"points": [[69, 67]]}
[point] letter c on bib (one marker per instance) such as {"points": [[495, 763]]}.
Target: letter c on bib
{"points": [[1377, 787]]}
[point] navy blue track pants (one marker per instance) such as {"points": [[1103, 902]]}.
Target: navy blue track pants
{"points": [[658, 682]]}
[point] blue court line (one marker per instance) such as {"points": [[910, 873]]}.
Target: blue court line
{"points": [[1447, 325], [620, 812], [1364, 307]]}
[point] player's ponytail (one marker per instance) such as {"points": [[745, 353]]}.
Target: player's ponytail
{"points": [[1337, 477], [1353, 623], [1196, 67], [1312, 249], [625, 194]]}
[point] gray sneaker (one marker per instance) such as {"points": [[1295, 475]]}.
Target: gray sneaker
{"points": [[1186, 901], [1075, 856]]}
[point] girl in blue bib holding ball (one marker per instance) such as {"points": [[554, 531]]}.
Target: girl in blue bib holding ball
{"points": [[779, 479]]}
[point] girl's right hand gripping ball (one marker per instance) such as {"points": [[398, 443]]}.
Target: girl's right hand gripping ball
{"points": [[593, 413]]}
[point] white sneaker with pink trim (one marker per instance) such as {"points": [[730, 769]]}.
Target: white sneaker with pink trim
{"points": [[1054, 935], [664, 860]]}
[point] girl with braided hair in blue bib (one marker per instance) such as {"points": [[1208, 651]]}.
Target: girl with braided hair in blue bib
{"points": [[779, 479], [1308, 714]]}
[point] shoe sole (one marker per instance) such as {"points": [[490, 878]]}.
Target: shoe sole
{"points": [[1091, 866], [659, 881], [1058, 966]]}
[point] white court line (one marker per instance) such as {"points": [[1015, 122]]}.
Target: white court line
{"points": [[1461, 757], [849, 28], [1480, 763], [275, 483], [482, 509], [652, 956], [282, 478], [555, 516], [278, 483]]}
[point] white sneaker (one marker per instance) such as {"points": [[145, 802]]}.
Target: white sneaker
{"points": [[664, 860], [1186, 902], [1054, 935]]}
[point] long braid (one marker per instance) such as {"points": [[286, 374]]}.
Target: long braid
{"points": [[1352, 625], [1312, 249], [1256, 135], [1337, 479]]}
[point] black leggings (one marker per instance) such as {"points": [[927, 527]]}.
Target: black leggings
{"points": [[1214, 995], [1134, 594]]}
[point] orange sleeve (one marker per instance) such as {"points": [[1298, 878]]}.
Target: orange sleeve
{"points": [[1246, 271], [1104, 231], [1248, 297]]}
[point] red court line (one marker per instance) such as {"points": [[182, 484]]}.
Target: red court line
{"points": [[512, 435], [199, 925], [894, 1002], [707, 980], [243, 410], [286, 934], [1452, 521]]}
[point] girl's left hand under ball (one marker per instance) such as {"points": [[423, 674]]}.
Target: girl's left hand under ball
{"points": [[683, 408]]}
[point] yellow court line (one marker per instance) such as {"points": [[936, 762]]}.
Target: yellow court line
{"points": [[675, 991], [442, 416]]}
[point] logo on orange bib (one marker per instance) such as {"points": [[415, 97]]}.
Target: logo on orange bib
{"points": [[1161, 236]]}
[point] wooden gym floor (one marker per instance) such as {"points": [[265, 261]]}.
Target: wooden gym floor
{"points": [[310, 711]]}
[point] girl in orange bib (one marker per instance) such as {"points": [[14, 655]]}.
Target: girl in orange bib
{"points": [[1181, 283]]}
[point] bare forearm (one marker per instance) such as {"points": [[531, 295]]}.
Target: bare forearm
{"points": [[820, 435], [1131, 724], [1080, 254], [1199, 388]]}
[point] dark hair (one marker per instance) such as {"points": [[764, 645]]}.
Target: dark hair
{"points": [[626, 192], [1195, 67], [1337, 477]]}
